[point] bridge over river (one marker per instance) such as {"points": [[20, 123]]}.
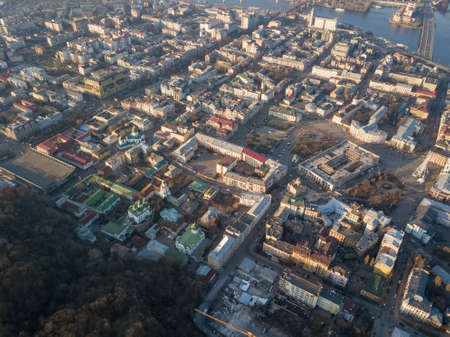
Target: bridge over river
{"points": [[426, 40]]}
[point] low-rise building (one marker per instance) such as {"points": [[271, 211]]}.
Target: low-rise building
{"points": [[374, 288], [140, 211], [330, 301], [116, 230], [190, 239]]}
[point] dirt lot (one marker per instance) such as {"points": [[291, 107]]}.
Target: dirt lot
{"points": [[205, 162]]}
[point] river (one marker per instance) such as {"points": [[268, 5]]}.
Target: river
{"points": [[375, 21]]}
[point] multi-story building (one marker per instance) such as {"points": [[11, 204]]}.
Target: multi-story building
{"points": [[270, 171], [116, 161], [295, 187], [285, 113], [278, 249], [313, 260], [387, 254], [330, 301], [187, 150], [300, 206], [414, 302], [300, 289], [105, 83], [222, 252], [370, 133], [338, 276], [374, 288], [337, 165], [403, 139], [441, 188]]}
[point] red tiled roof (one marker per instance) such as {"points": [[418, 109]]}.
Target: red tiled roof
{"points": [[426, 93], [222, 122], [77, 158], [254, 155], [29, 104], [70, 206], [89, 216], [74, 134], [21, 107], [55, 143]]}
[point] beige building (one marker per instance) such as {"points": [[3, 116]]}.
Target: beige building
{"points": [[330, 301], [105, 83]]}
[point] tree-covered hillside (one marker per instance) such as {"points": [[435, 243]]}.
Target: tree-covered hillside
{"points": [[51, 284]]}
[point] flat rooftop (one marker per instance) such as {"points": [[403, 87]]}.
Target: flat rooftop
{"points": [[340, 161], [303, 283], [38, 169]]}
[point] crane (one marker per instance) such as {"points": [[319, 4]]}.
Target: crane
{"points": [[228, 325]]}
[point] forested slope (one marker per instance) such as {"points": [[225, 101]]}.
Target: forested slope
{"points": [[52, 284]]}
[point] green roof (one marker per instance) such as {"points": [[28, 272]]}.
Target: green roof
{"points": [[155, 168], [176, 255], [299, 202], [138, 207], [87, 192], [375, 285], [101, 200], [161, 164], [198, 186], [210, 190], [120, 189], [151, 172], [403, 107], [113, 228], [245, 77], [189, 238], [92, 200]]}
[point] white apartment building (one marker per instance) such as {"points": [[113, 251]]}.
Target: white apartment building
{"points": [[404, 138], [414, 302], [300, 289]]}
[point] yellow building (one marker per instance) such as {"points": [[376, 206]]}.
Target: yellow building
{"points": [[374, 288], [105, 83], [387, 254]]}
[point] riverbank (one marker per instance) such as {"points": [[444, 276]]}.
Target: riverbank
{"points": [[375, 21], [388, 3]]}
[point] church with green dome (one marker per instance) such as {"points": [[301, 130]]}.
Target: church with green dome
{"points": [[192, 237], [135, 137]]}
